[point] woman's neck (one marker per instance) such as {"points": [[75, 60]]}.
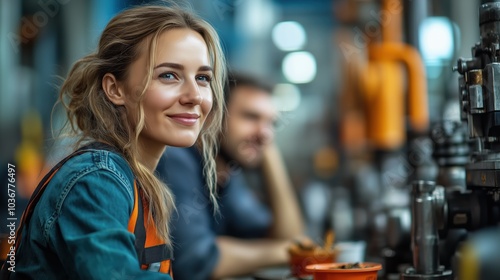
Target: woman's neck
{"points": [[150, 153]]}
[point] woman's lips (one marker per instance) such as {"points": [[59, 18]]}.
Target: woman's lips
{"points": [[185, 119]]}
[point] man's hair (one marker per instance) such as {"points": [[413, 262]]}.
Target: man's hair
{"points": [[239, 79]]}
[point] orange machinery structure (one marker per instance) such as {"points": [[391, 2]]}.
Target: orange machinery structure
{"points": [[374, 104]]}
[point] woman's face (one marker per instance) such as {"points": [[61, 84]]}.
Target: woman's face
{"points": [[179, 97]]}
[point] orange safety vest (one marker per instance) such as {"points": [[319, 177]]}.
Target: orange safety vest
{"points": [[152, 252]]}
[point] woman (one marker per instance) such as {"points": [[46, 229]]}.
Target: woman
{"points": [[155, 80]]}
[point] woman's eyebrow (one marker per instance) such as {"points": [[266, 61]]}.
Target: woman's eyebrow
{"points": [[171, 65], [181, 67], [206, 68]]}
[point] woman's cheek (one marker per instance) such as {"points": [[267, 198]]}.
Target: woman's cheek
{"points": [[207, 102]]}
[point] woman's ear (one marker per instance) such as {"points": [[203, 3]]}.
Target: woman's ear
{"points": [[113, 91]]}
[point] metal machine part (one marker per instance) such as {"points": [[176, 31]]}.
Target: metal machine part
{"points": [[424, 234], [480, 96], [451, 153], [396, 255], [477, 206], [397, 232]]}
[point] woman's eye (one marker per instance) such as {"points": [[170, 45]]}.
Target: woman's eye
{"points": [[167, 76], [204, 78]]}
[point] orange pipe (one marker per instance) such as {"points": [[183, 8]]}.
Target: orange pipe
{"points": [[383, 88], [391, 20], [417, 92], [381, 81]]}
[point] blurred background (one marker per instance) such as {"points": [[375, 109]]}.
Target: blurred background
{"points": [[358, 83]]}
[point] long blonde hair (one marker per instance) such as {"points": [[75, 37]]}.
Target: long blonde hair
{"points": [[91, 116]]}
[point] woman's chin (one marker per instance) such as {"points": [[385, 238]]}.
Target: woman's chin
{"points": [[182, 143]]}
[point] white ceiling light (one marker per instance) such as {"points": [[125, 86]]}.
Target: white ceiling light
{"points": [[436, 39], [289, 36], [299, 67]]}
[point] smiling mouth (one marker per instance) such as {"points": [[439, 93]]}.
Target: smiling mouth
{"points": [[185, 119]]}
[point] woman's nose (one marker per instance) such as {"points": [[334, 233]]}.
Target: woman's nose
{"points": [[191, 93]]}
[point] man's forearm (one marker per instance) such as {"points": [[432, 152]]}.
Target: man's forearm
{"points": [[287, 217], [240, 256]]}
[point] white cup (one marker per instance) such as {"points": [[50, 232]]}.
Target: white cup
{"points": [[351, 251]]}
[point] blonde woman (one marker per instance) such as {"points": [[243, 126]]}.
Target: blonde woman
{"points": [[156, 79]]}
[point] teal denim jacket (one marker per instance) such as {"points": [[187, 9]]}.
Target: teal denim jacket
{"points": [[79, 227]]}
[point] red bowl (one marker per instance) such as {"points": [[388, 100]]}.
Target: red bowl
{"points": [[331, 271]]}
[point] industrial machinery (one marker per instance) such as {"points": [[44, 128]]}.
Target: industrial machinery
{"points": [[384, 100], [440, 210]]}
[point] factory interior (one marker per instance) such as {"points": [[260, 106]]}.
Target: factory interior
{"points": [[387, 121]]}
